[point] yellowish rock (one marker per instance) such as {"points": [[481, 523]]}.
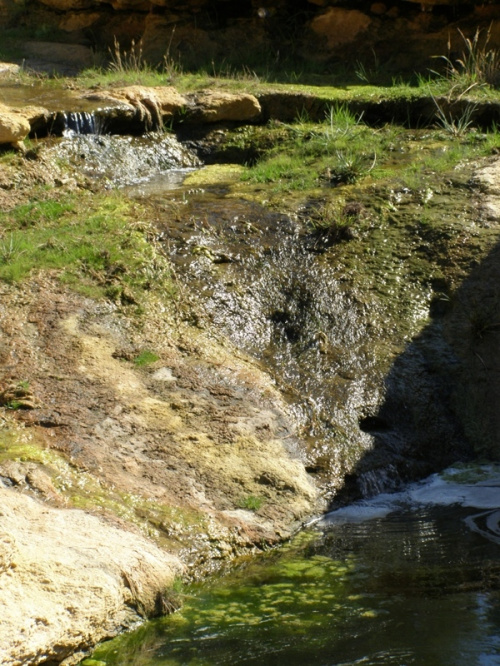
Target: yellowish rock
{"points": [[14, 127]]}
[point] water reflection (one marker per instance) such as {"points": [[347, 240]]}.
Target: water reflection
{"points": [[413, 585]]}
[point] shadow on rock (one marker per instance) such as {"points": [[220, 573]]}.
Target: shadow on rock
{"points": [[442, 393]]}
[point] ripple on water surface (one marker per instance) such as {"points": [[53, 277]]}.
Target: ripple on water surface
{"points": [[408, 583]]}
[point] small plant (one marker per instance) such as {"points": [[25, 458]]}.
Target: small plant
{"points": [[171, 67], [478, 64], [126, 61], [9, 249], [367, 73], [340, 120], [332, 223], [347, 167], [456, 126], [17, 396], [251, 503], [145, 358]]}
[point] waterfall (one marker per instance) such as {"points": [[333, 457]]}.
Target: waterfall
{"points": [[81, 122]]}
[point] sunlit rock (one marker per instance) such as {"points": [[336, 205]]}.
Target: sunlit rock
{"points": [[14, 128], [215, 106], [70, 579]]}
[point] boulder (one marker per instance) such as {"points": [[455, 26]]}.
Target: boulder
{"points": [[69, 579], [14, 127], [215, 106], [8, 69]]}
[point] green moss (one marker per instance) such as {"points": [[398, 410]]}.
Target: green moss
{"points": [[94, 242], [251, 502], [145, 358], [470, 473], [85, 491]]}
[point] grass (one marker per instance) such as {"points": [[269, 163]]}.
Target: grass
{"points": [[251, 503], [343, 151], [456, 125], [145, 358], [333, 222], [94, 242], [337, 151], [477, 66]]}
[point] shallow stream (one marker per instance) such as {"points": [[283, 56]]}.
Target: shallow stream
{"points": [[408, 578], [345, 331]]}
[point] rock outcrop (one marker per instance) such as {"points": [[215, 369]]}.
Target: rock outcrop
{"points": [[69, 579], [215, 106], [14, 127], [146, 108], [215, 35]]}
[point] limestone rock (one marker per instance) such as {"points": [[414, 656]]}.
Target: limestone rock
{"points": [[14, 128], [340, 26], [215, 106], [146, 107], [38, 117], [8, 69], [68, 580]]}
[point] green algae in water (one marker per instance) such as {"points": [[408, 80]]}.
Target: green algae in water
{"points": [[385, 591]]}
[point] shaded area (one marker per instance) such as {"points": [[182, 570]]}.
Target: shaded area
{"points": [[452, 411]]}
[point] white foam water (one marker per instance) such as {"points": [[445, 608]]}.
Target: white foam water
{"points": [[474, 486]]}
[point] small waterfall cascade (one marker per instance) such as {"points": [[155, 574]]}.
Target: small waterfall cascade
{"points": [[121, 160], [81, 123]]}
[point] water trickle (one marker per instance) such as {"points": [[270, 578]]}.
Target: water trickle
{"points": [[124, 160], [81, 123]]}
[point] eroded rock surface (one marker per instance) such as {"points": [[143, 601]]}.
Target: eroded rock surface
{"points": [[69, 579], [14, 127], [196, 451]]}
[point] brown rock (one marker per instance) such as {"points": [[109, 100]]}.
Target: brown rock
{"points": [[14, 128], [73, 21], [212, 107], [340, 26], [378, 8], [160, 40]]}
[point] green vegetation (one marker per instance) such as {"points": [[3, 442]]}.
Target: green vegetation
{"points": [[82, 490], [145, 358], [95, 243], [470, 473], [343, 151], [287, 597], [251, 503], [478, 65]]}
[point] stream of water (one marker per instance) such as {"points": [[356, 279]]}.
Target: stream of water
{"points": [[408, 578]]}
